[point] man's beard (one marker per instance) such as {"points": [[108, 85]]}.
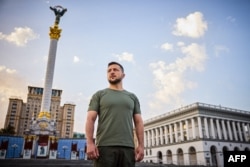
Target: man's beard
{"points": [[116, 81]]}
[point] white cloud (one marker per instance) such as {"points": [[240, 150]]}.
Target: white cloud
{"points": [[9, 79], [7, 70], [20, 36], [219, 49], [76, 59], [180, 43], [167, 46], [125, 56], [169, 79], [9, 88], [192, 26], [195, 57]]}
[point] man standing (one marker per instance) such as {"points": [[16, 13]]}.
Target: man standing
{"points": [[117, 110]]}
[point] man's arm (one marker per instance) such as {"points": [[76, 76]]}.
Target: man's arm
{"points": [[92, 150], [139, 129]]}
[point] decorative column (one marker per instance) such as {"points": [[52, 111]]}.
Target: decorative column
{"points": [[149, 143], [239, 130], [187, 130], [206, 128], [200, 127], [166, 134], [161, 136], [181, 130], [229, 130], [234, 131], [212, 128], [218, 128], [171, 133], [145, 138], [224, 129], [153, 137], [244, 132], [175, 132], [157, 136], [248, 128], [149, 138], [193, 128]]}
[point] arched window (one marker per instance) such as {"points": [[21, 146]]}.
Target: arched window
{"points": [[180, 157], [159, 157], [213, 151], [169, 157], [192, 156]]}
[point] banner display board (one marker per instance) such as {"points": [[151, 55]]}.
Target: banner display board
{"points": [[73, 155], [52, 154], [3, 148], [2, 154], [27, 154], [42, 150]]}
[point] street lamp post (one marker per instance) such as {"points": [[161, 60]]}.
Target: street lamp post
{"points": [[64, 149], [14, 146]]}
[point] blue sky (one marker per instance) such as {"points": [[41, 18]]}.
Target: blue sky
{"points": [[175, 53]]}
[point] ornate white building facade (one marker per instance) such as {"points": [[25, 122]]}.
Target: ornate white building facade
{"points": [[196, 134]]}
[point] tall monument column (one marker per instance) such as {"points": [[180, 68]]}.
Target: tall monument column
{"points": [[43, 129], [54, 37]]}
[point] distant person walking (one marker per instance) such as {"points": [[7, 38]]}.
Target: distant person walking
{"points": [[117, 110]]}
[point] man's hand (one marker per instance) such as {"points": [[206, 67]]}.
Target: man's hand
{"points": [[139, 154], [92, 151]]}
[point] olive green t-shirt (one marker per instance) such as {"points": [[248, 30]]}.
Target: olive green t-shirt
{"points": [[115, 117]]}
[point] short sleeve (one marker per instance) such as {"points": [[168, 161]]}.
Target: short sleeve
{"points": [[137, 108], [94, 103]]}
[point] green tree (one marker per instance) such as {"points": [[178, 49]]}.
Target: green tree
{"points": [[9, 130]]}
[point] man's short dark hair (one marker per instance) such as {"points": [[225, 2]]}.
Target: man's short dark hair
{"points": [[113, 62]]}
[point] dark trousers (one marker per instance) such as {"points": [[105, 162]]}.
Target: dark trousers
{"points": [[115, 156]]}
